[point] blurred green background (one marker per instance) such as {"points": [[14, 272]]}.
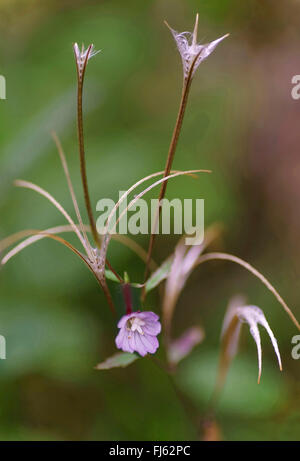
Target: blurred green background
{"points": [[241, 122]]}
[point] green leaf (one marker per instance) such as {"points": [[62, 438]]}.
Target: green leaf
{"points": [[159, 275], [111, 276], [121, 359]]}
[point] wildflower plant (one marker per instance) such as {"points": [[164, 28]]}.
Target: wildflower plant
{"points": [[139, 328]]}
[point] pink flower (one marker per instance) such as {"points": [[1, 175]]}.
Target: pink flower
{"points": [[138, 332]]}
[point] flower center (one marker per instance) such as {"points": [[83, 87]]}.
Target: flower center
{"points": [[135, 324]]}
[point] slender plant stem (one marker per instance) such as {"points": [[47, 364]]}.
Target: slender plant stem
{"points": [[81, 67], [127, 297], [80, 80], [170, 158], [187, 81], [113, 271], [108, 296]]}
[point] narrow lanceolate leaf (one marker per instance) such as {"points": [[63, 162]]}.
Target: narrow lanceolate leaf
{"points": [[111, 276], [121, 359], [159, 275], [233, 321]]}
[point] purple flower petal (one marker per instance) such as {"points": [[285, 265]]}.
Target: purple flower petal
{"points": [[150, 343], [140, 348], [123, 320], [148, 316], [131, 340], [120, 339], [125, 343], [139, 334], [152, 328]]}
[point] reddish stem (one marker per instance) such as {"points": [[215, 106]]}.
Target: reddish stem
{"points": [[127, 297]]}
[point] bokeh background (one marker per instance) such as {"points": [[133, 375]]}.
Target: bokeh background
{"points": [[241, 122]]}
